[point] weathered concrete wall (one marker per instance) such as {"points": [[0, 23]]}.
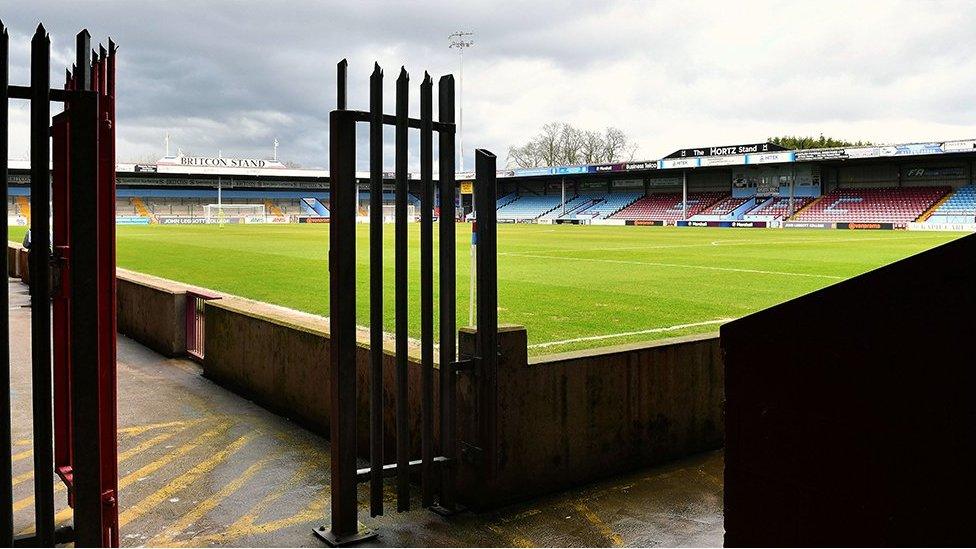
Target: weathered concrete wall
{"points": [[13, 260], [280, 358], [152, 311], [570, 418], [864, 435]]}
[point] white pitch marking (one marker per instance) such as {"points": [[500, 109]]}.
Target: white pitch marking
{"points": [[750, 242], [674, 265], [626, 334]]}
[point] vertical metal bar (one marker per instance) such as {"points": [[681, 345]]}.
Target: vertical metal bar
{"points": [[40, 120], [400, 250], [86, 321], [447, 265], [341, 84], [376, 460], [107, 382], [427, 289], [6, 485], [342, 323], [487, 346]]}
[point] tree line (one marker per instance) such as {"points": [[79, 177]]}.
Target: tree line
{"points": [[562, 144]]}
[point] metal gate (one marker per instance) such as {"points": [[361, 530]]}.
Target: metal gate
{"points": [[73, 279], [437, 466]]}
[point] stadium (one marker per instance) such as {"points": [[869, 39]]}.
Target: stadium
{"points": [[731, 345], [776, 193]]}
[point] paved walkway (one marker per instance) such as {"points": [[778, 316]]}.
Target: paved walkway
{"points": [[200, 466]]}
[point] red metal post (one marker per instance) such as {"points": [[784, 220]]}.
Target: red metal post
{"points": [[61, 303], [104, 83]]}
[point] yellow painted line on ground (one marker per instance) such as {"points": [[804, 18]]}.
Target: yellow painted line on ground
{"points": [[22, 477], [122, 457], [21, 455], [141, 472], [165, 538], [181, 482], [245, 525], [182, 450], [602, 527], [511, 538], [139, 429]]}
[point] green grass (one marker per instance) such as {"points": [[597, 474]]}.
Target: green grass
{"points": [[561, 282]]}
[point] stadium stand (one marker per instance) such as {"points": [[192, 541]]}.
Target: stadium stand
{"points": [[776, 208], [960, 207], [897, 205], [23, 206], [507, 199], [528, 207], [575, 205], [725, 206], [667, 206], [609, 205]]}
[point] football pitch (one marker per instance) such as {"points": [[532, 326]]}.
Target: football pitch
{"points": [[571, 286]]}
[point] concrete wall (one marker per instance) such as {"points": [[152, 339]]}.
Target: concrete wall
{"points": [[280, 358], [571, 418], [152, 311], [866, 434]]}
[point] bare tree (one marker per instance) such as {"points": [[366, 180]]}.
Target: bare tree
{"points": [[560, 144]]}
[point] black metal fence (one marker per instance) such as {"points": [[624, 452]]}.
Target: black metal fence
{"points": [[74, 435], [437, 465]]}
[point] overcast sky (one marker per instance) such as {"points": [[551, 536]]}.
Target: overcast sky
{"points": [[233, 76]]}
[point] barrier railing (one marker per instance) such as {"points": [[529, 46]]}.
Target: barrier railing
{"points": [[73, 381], [196, 322]]}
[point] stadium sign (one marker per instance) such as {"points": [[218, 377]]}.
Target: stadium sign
{"points": [[729, 150], [865, 226], [820, 154], [732, 160], [770, 158], [959, 146], [218, 162], [807, 225], [672, 163]]}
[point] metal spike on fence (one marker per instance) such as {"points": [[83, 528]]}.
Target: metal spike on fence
{"points": [[6, 483], [447, 286], [341, 69], [401, 299], [376, 290], [40, 115], [427, 289]]}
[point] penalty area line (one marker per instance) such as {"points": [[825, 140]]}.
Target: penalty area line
{"points": [[674, 265], [627, 334]]}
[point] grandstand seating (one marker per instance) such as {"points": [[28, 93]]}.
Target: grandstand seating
{"points": [[508, 198], [611, 204], [575, 204], [725, 206], [528, 207], [959, 208], [777, 208], [881, 205], [667, 206]]}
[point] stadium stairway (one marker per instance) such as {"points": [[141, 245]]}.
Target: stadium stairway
{"points": [[141, 209], [812, 202], [928, 213], [23, 206], [273, 208]]}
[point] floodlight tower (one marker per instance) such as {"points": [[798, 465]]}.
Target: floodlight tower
{"points": [[461, 40]]}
